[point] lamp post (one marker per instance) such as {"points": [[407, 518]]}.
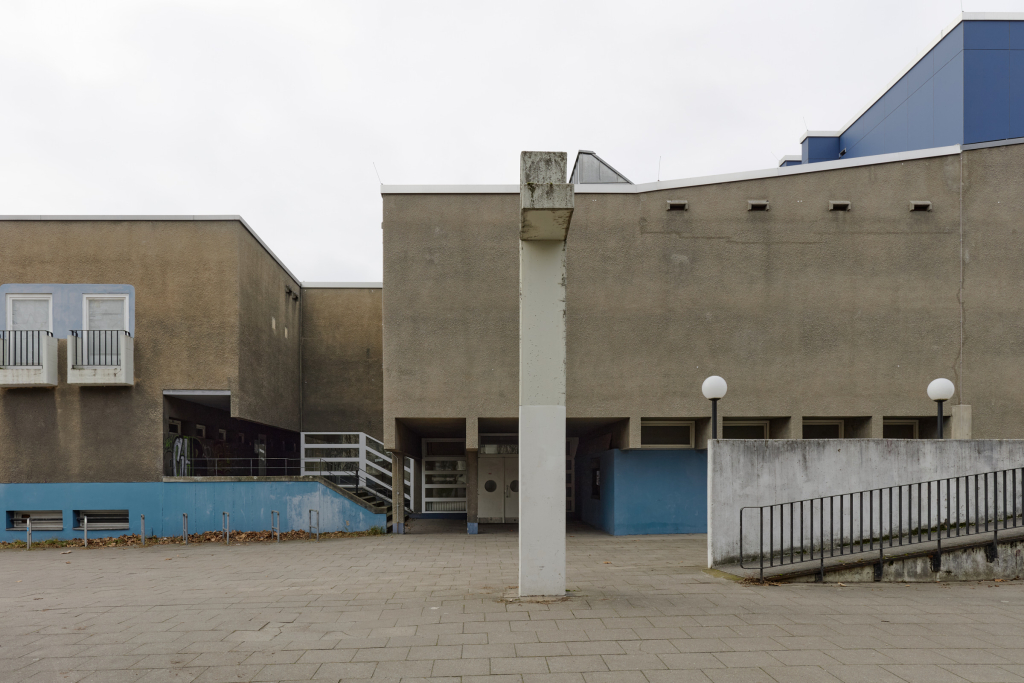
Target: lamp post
{"points": [[940, 390], [714, 388]]}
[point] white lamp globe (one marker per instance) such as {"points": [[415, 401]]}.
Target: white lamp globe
{"points": [[714, 387], [941, 390]]}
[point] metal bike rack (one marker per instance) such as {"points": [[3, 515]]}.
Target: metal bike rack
{"points": [[28, 534], [317, 523], [276, 528], [225, 526], [184, 526], [143, 531], [85, 529]]}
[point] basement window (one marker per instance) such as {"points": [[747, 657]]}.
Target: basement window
{"points": [[174, 426], [101, 520], [920, 206], [839, 205], [201, 431], [42, 520], [899, 429], [823, 429], [757, 205], [745, 429], [677, 205], [222, 435], [666, 434]]}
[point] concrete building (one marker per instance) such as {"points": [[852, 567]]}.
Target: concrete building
{"points": [[138, 349], [828, 293]]}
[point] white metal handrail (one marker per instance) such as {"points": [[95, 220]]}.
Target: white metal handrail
{"points": [[365, 450]]}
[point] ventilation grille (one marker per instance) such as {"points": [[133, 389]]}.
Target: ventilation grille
{"points": [[920, 206], [102, 520], [677, 205], [839, 205], [42, 520], [757, 205]]}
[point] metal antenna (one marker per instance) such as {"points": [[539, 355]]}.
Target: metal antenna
{"points": [[377, 172], [659, 168]]}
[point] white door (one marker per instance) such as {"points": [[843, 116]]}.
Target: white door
{"points": [[511, 489], [105, 321], [491, 490], [28, 320]]}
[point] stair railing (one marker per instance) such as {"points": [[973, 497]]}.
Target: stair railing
{"points": [[889, 517]]}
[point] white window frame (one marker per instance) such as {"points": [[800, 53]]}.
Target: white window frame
{"points": [[826, 423], [908, 421], [748, 423], [668, 423], [85, 307], [174, 423], [222, 435], [425, 488], [48, 298], [201, 431]]}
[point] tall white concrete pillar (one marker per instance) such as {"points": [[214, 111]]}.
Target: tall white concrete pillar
{"points": [[546, 202]]}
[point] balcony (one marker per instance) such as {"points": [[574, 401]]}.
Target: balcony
{"points": [[28, 358], [102, 358]]}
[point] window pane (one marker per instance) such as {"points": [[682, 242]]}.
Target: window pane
{"points": [[664, 435], [743, 431], [444, 465], [106, 314], [445, 493], [314, 453], [904, 431], [821, 431], [30, 314], [453, 478]]}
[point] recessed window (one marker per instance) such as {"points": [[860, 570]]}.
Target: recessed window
{"points": [[839, 205], [677, 205], [899, 429], [241, 437], [201, 431], [745, 429], [105, 520], [174, 426], [595, 478], [666, 434], [823, 429], [30, 312], [222, 435], [920, 206], [42, 520], [757, 205]]}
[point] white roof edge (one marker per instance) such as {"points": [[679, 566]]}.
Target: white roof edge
{"points": [[449, 189], [342, 285], [964, 16], [197, 392], [819, 134], [128, 217], [622, 188], [792, 157]]}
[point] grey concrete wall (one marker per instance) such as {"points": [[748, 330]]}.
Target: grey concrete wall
{"points": [[185, 276], [269, 334], [342, 361], [755, 473], [807, 313]]}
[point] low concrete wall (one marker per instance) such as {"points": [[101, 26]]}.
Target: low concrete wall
{"points": [[248, 502], [754, 473]]}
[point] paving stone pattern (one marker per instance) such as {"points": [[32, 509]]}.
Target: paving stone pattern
{"points": [[429, 607]]}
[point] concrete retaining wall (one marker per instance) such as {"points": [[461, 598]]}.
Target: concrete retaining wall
{"points": [[248, 502], [754, 473]]}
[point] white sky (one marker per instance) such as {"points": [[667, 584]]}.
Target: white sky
{"points": [[278, 110]]}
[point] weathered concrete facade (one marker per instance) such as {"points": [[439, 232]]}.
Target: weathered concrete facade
{"points": [[808, 313], [213, 310]]}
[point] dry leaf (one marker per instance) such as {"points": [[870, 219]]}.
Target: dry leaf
{"points": [[607, 562], [843, 585], [66, 552]]}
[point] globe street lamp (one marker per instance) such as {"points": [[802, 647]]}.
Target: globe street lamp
{"points": [[940, 390], [714, 388]]}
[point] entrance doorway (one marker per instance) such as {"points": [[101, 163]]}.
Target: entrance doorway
{"points": [[498, 489]]}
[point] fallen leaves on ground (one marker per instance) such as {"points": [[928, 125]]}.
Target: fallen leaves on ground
{"points": [[242, 537]]}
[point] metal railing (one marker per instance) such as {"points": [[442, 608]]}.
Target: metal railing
{"points": [[97, 348], [19, 348], [890, 517], [357, 481], [354, 460], [190, 456]]}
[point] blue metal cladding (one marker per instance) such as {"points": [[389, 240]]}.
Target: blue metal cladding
{"points": [[986, 95], [819, 149], [949, 103], [1017, 91]]}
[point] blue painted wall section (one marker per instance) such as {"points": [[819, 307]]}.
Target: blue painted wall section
{"points": [[163, 503], [969, 88], [647, 492], [67, 302]]}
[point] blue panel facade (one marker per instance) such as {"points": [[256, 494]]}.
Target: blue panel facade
{"points": [[1017, 91], [949, 102], [986, 95], [67, 302], [163, 503], [814, 149], [647, 492]]}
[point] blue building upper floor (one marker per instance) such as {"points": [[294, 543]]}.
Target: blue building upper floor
{"points": [[966, 88]]}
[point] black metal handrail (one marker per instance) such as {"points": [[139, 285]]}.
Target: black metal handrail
{"points": [[97, 347], [22, 347], [885, 518]]}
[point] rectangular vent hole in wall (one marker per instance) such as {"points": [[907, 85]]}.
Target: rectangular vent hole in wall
{"points": [[920, 206], [677, 205], [757, 205], [839, 205], [102, 520], [42, 520]]}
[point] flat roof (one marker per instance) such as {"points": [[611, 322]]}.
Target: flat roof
{"points": [[342, 285], [158, 218], [622, 188]]}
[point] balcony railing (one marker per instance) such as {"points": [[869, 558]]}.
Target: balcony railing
{"points": [[354, 460], [189, 456], [98, 348], [22, 348]]}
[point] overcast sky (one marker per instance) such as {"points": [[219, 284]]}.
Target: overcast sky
{"points": [[278, 111]]}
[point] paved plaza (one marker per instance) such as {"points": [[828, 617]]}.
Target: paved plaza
{"points": [[434, 606]]}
